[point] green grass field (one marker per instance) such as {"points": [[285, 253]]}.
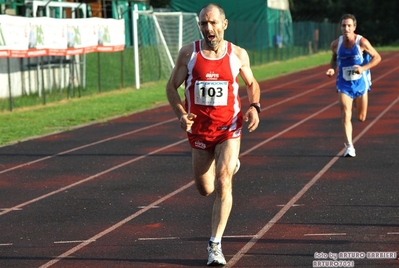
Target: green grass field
{"points": [[25, 123]]}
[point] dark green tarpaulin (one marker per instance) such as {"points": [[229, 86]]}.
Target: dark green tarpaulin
{"points": [[251, 23]]}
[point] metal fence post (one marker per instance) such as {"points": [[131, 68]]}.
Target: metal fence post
{"points": [[9, 83]]}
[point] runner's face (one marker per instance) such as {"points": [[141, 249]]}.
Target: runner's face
{"points": [[347, 27], [212, 25]]}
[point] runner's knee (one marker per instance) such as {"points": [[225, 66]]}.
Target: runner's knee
{"points": [[361, 117], [224, 186], [205, 189]]}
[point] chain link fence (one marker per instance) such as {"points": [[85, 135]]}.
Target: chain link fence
{"points": [[94, 73]]}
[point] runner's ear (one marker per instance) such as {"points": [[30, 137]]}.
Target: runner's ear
{"points": [[225, 23]]}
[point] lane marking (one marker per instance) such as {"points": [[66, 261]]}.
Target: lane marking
{"points": [[115, 226], [296, 96], [156, 124], [287, 129], [284, 210], [177, 238], [115, 167], [132, 132], [71, 242], [326, 234], [158, 238], [6, 244], [85, 146], [112, 228], [145, 206], [159, 201], [393, 233], [237, 236], [294, 205], [256, 237], [89, 178], [11, 208]]}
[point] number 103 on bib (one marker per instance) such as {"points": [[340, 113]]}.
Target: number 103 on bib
{"points": [[211, 93]]}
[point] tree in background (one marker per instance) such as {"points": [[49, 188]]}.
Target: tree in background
{"points": [[159, 3], [378, 20]]}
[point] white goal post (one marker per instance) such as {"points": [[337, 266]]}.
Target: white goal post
{"points": [[157, 38]]}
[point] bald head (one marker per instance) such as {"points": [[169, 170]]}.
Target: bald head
{"points": [[212, 6]]}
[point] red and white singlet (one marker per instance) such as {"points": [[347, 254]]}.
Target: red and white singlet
{"points": [[212, 94]]}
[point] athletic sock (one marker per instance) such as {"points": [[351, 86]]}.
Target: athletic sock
{"points": [[217, 241]]}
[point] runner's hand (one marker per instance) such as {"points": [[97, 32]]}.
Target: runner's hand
{"points": [[358, 69], [186, 121], [252, 117], [330, 72]]}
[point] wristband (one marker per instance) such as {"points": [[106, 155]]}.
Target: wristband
{"points": [[256, 105]]}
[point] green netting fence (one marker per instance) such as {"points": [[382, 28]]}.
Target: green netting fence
{"points": [[104, 72]]}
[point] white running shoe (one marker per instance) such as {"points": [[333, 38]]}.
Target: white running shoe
{"points": [[350, 151], [237, 166], [215, 255]]}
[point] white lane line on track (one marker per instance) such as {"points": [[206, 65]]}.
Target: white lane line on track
{"points": [[115, 226], [281, 213], [89, 178], [252, 241], [287, 129], [112, 228], [6, 244], [177, 238], [140, 129], [294, 205], [393, 233], [237, 236], [326, 234], [118, 166], [86, 145], [163, 122], [158, 238], [72, 241]]}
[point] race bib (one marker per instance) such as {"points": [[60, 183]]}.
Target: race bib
{"points": [[349, 74], [211, 93]]}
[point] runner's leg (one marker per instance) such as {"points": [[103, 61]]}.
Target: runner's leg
{"points": [[345, 104], [361, 107], [226, 155], [203, 162]]}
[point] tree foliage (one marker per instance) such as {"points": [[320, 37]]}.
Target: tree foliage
{"points": [[159, 3], [377, 20]]}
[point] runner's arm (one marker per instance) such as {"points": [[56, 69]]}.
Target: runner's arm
{"points": [[253, 89], [179, 74], [333, 62], [369, 49]]}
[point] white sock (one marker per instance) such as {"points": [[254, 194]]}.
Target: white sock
{"points": [[218, 241]]}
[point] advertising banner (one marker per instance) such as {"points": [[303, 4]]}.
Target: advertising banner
{"points": [[33, 37]]}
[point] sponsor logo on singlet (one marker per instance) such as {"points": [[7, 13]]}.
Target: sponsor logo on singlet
{"points": [[212, 75]]}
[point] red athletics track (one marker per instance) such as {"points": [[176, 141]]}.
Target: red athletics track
{"points": [[120, 193]]}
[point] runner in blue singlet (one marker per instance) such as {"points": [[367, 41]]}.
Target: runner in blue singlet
{"points": [[354, 56]]}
